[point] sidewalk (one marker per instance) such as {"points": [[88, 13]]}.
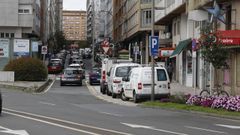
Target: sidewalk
{"points": [[176, 88], [28, 86]]}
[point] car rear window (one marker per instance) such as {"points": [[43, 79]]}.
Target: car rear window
{"points": [[161, 75], [68, 72]]}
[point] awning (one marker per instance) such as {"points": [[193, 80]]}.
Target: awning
{"points": [[181, 46], [229, 37]]}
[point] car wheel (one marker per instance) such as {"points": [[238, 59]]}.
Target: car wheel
{"points": [[114, 95], [90, 82], [123, 97], [61, 84], [108, 92], [135, 99]]}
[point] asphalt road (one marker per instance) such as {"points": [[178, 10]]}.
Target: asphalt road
{"points": [[73, 110]]}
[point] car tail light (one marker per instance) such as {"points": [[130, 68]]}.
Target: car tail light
{"points": [[139, 86], [104, 76], [169, 85], [116, 81]]}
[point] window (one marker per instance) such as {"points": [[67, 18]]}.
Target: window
{"points": [[20, 10], [161, 75], [174, 29], [7, 35], [12, 35], [146, 17], [146, 1], [178, 28], [26, 11], [2, 35]]}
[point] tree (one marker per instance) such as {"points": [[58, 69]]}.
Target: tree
{"points": [[212, 49], [60, 40]]}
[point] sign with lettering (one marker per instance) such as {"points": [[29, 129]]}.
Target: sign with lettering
{"points": [[21, 47]]}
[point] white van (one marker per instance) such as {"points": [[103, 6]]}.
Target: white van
{"points": [[137, 85], [115, 75]]}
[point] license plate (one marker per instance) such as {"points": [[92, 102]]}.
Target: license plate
{"points": [[53, 67]]}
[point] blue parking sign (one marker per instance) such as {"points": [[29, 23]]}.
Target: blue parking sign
{"points": [[154, 45]]}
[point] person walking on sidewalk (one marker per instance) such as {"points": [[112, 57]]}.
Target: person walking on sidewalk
{"points": [[170, 71]]}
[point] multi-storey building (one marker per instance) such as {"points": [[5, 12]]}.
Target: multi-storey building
{"points": [[132, 25], [74, 25], [19, 19], [55, 15], [95, 28], [183, 21], [107, 11]]}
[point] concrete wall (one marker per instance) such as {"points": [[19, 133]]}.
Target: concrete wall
{"points": [[9, 13], [6, 76]]}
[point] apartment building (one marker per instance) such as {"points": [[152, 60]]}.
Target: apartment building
{"points": [[107, 13], [74, 25], [132, 26], [19, 19], [183, 21]]}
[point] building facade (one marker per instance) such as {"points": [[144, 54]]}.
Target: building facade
{"points": [[74, 25], [132, 26], [183, 21], [19, 19]]}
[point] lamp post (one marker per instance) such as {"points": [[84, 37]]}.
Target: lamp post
{"points": [[152, 57]]}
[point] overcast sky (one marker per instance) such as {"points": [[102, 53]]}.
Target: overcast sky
{"points": [[74, 4]]}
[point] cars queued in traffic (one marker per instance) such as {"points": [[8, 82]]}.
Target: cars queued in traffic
{"points": [[0, 102]]}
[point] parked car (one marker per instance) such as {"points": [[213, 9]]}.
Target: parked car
{"points": [[0, 103], [95, 76], [71, 76], [137, 84], [115, 75]]}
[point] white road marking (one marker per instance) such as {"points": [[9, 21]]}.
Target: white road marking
{"points": [[152, 128], [14, 132], [46, 103], [117, 115], [65, 121], [49, 87], [228, 126], [203, 129]]}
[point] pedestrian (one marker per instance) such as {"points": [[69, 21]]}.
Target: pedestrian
{"points": [[170, 71]]}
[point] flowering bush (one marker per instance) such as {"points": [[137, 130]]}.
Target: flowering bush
{"points": [[207, 101], [233, 104], [219, 102], [194, 100]]}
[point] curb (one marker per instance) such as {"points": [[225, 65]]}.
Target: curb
{"points": [[93, 92], [30, 89]]}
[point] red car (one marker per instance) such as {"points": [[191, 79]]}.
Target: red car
{"points": [[54, 67]]}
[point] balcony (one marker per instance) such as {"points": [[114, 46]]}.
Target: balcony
{"points": [[171, 11]]}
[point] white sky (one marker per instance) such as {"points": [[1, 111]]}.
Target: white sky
{"points": [[74, 5]]}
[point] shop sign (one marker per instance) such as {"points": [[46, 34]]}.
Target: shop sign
{"points": [[166, 52]]}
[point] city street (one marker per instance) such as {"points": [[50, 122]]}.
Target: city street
{"points": [[73, 110]]}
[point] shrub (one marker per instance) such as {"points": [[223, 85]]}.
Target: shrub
{"points": [[27, 69], [233, 104], [207, 101], [219, 102], [194, 100]]}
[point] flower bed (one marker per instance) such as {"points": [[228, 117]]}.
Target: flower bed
{"points": [[228, 103]]}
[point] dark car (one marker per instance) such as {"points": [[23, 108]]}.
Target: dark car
{"points": [[71, 76], [95, 76], [0, 103]]}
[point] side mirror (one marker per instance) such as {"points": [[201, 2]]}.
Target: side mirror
{"points": [[108, 73]]}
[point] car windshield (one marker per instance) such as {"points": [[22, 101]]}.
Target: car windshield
{"points": [[123, 71], [96, 70]]}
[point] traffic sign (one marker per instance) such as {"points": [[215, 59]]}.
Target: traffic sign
{"points": [[44, 50], [105, 46], [154, 45]]}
